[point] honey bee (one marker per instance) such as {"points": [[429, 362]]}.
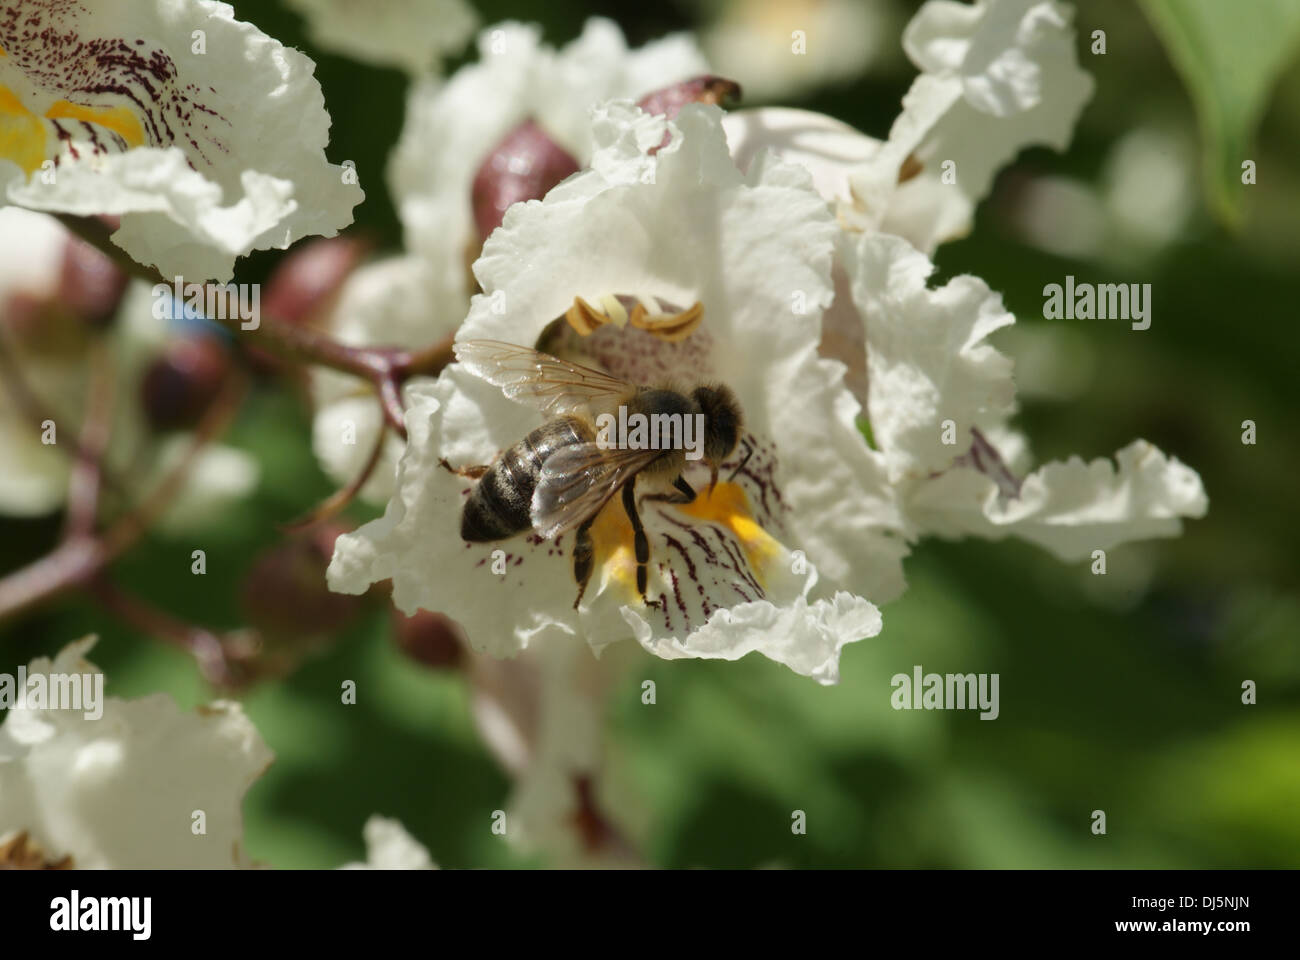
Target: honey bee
{"points": [[560, 476]]}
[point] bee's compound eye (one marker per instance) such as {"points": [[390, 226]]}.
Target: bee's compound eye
{"points": [[721, 419]]}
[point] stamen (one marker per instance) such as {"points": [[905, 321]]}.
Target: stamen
{"points": [[663, 320]]}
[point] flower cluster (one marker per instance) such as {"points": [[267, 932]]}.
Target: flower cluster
{"points": [[592, 203]]}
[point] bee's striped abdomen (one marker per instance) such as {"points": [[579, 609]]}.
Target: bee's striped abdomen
{"points": [[499, 506]]}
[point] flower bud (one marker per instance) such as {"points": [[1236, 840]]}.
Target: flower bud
{"points": [[429, 638], [703, 89], [285, 599], [179, 386], [523, 166], [90, 284], [669, 101], [304, 283]]}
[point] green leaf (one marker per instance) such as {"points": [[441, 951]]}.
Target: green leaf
{"points": [[1230, 55]]}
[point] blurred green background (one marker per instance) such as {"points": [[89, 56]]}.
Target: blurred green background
{"points": [[1123, 695]]}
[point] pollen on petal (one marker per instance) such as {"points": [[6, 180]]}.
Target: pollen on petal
{"points": [[22, 134], [118, 119], [728, 507]]}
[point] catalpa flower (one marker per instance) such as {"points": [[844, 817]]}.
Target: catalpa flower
{"points": [[452, 127], [939, 397], [518, 88], [542, 715], [997, 76], [667, 265], [206, 136], [143, 786], [411, 34], [139, 784]]}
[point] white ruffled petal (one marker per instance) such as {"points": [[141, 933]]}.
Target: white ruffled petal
{"points": [[928, 364], [1070, 508], [121, 791], [451, 127], [827, 148], [208, 140], [806, 637], [999, 76], [598, 66], [927, 359], [449, 130]]}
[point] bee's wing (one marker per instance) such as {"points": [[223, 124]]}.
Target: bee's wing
{"points": [[578, 480], [551, 385]]}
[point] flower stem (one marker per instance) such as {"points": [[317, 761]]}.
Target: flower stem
{"points": [[82, 555]]}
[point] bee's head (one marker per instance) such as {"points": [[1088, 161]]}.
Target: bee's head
{"points": [[722, 424]]}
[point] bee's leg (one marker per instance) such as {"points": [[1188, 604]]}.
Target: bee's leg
{"points": [[641, 542], [687, 493], [582, 557], [473, 473], [749, 452]]}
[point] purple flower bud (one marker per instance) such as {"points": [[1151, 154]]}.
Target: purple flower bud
{"points": [[180, 385], [523, 166], [90, 284], [704, 89], [285, 599], [304, 283], [429, 638]]}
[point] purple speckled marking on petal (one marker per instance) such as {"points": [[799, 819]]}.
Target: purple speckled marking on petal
{"points": [[44, 42]]}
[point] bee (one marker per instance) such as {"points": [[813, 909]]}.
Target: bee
{"points": [[560, 476]]}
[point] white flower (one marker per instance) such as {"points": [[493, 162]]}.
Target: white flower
{"points": [[450, 130], [918, 358], [939, 396], [390, 847], [204, 134], [410, 34], [781, 49], [542, 714], [674, 229], [451, 127], [122, 791], [997, 76]]}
